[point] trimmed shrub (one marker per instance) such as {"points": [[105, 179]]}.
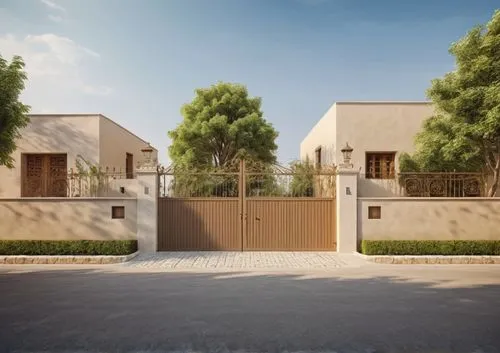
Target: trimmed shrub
{"points": [[430, 247], [67, 247]]}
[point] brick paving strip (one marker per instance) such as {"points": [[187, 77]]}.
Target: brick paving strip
{"points": [[215, 260], [232, 260], [65, 259]]}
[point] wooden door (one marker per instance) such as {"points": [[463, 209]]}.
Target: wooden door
{"points": [[44, 175], [129, 166], [57, 175]]}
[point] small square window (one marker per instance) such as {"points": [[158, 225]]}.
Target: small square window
{"points": [[117, 212], [374, 212]]}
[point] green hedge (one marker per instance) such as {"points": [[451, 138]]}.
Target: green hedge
{"points": [[430, 247], [67, 247]]}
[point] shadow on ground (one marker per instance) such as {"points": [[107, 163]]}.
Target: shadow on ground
{"points": [[96, 310]]}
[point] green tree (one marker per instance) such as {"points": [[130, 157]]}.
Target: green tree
{"points": [[303, 178], [464, 134], [13, 114], [221, 123]]}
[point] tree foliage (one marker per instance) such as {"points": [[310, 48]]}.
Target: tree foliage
{"points": [[464, 134], [13, 114], [221, 123], [303, 178]]}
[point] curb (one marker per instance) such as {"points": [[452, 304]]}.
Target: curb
{"points": [[432, 259], [65, 259]]}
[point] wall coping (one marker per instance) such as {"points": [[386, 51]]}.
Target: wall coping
{"points": [[383, 102], [458, 199], [342, 171], [146, 171], [61, 199]]}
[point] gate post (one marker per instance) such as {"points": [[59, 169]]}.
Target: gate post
{"points": [[242, 203], [147, 207], [346, 208]]}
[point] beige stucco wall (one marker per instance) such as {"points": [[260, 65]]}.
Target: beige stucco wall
{"points": [[66, 219], [430, 219], [131, 188], [367, 127], [116, 142], [379, 127], [72, 134], [322, 135], [94, 137]]}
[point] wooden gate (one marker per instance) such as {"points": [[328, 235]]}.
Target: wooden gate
{"points": [[247, 206]]}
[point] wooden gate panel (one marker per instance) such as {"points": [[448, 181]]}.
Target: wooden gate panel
{"points": [[198, 224], [290, 224]]}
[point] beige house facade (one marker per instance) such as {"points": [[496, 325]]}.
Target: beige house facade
{"points": [[377, 131], [50, 146]]}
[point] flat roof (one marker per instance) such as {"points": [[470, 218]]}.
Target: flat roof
{"points": [[383, 102], [90, 114]]}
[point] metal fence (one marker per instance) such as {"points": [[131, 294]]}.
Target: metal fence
{"points": [[95, 184], [289, 184], [442, 184], [270, 180]]}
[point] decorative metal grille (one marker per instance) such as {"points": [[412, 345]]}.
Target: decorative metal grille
{"points": [[442, 184], [95, 183], [257, 179], [46, 175]]}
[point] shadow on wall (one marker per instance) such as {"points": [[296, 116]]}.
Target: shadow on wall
{"points": [[129, 187], [460, 227], [430, 219], [57, 135], [246, 312], [198, 225], [378, 187], [57, 222], [475, 220]]}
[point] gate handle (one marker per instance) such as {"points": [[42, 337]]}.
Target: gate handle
{"points": [[257, 218]]}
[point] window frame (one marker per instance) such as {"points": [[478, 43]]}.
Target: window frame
{"points": [[374, 212], [129, 166], [118, 212], [369, 156], [318, 157]]}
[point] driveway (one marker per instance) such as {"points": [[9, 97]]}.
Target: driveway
{"points": [[379, 308], [245, 261]]}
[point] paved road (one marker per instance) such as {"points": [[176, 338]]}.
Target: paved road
{"points": [[379, 308]]}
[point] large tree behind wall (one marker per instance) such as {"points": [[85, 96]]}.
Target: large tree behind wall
{"points": [[13, 114], [464, 134], [220, 122]]}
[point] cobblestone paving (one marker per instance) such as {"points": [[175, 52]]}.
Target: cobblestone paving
{"points": [[244, 260]]}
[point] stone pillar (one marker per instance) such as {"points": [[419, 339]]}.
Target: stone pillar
{"points": [[347, 212], [147, 208]]}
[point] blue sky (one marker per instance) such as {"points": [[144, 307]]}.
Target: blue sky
{"points": [[138, 61]]}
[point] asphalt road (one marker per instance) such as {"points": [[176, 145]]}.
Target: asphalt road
{"points": [[394, 308]]}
